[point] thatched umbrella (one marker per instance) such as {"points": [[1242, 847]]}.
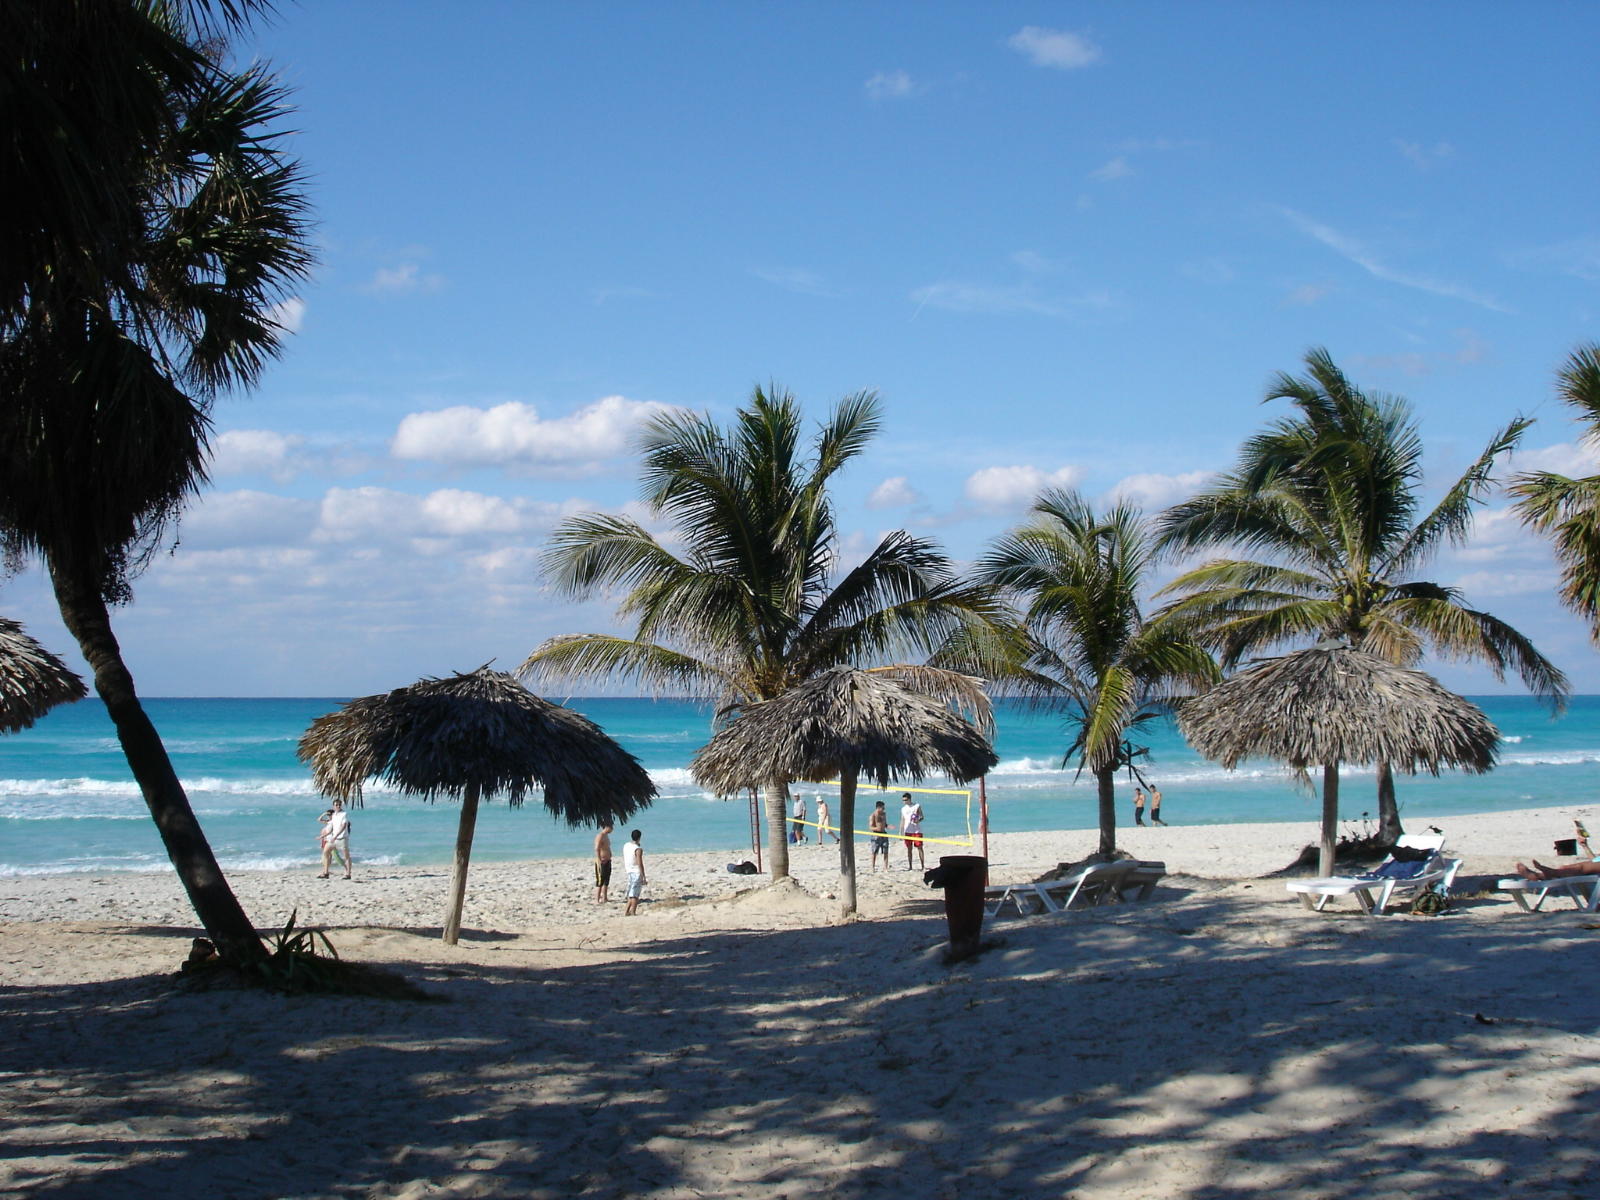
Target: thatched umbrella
{"points": [[474, 735], [846, 723], [1333, 704], [32, 680]]}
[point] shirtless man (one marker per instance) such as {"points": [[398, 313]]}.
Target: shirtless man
{"points": [[1138, 806], [878, 826], [602, 864], [1155, 807]]}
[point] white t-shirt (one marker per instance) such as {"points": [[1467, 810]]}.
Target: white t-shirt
{"points": [[910, 818], [630, 857], [799, 808], [338, 827]]}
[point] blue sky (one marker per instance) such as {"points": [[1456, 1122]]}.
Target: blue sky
{"points": [[1065, 243]]}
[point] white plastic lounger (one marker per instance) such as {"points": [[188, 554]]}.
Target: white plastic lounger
{"points": [[1530, 894], [1374, 889], [1098, 883], [1144, 876]]}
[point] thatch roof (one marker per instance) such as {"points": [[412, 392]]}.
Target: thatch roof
{"points": [[32, 680], [843, 720], [483, 730], [1333, 704]]}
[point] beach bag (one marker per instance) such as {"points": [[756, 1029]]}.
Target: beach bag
{"points": [[1430, 903]]}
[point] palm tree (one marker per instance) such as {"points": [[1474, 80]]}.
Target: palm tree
{"points": [[750, 607], [107, 377], [1078, 575], [1329, 498], [1568, 510]]}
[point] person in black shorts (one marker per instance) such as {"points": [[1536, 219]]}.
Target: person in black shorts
{"points": [[878, 826]]}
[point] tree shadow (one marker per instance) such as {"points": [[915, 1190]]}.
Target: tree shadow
{"points": [[1168, 1046]]}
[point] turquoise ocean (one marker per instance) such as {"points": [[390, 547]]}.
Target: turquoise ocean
{"points": [[68, 803]]}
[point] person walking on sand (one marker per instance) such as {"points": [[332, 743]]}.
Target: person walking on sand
{"points": [[878, 826], [633, 864], [336, 839], [798, 832], [1138, 806], [825, 822], [602, 864], [911, 827], [1155, 807]]}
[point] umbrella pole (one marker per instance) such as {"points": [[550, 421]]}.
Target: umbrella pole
{"points": [[1330, 817], [847, 843], [458, 875]]}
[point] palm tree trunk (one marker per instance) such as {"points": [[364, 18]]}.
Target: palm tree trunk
{"points": [[1106, 781], [458, 873], [1330, 817], [84, 612], [777, 794], [1389, 829], [847, 843]]}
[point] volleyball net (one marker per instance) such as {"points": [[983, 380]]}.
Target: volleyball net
{"points": [[931, 813]]}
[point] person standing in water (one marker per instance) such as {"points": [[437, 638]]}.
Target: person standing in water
{"points": [[633, 864]]}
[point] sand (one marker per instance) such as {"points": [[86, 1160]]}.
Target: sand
{"points": [[1218, 1041]]}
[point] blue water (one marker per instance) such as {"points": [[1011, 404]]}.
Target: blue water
{"points": [[68, 803]]}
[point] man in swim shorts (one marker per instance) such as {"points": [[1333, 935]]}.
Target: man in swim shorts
{"points": [[911, 827], [336, 839], [602, 864], [878, 825]]}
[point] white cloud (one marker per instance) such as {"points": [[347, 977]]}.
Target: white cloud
{"points": [[794, 279], [1349, 248], [894, 493], [1152, 491], [1425, 157], [403, 279], [288, 315], [890, 85], [1579, 257], [430, 524], [1307, 294], [246, 518], [1055, 48], [955, 296], [1576, 460], [450, 511], [255, 452], [1013, 487], [1117, 168], [514, 435]]}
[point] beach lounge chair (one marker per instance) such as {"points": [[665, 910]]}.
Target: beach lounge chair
{"points": [[1530, 894], [1393, 877], [1140, 882], [1099, 883]]}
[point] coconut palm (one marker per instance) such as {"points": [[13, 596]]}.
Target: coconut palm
{"points": [[477, 734], [1568, 510], [1328, 498], [1078, 576], [751, 605], [107, 379]]}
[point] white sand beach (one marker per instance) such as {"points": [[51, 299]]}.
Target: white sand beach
{"points": [[1218, 1041]]}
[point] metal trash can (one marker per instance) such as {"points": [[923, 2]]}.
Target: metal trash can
{"points": [[962, 877]]}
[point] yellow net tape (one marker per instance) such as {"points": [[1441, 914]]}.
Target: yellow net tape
{"points": [[900, 837]]}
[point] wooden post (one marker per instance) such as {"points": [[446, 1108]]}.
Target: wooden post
{"points": [[983, 823], [847, 842], [1330, 817], [458, 875]]}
